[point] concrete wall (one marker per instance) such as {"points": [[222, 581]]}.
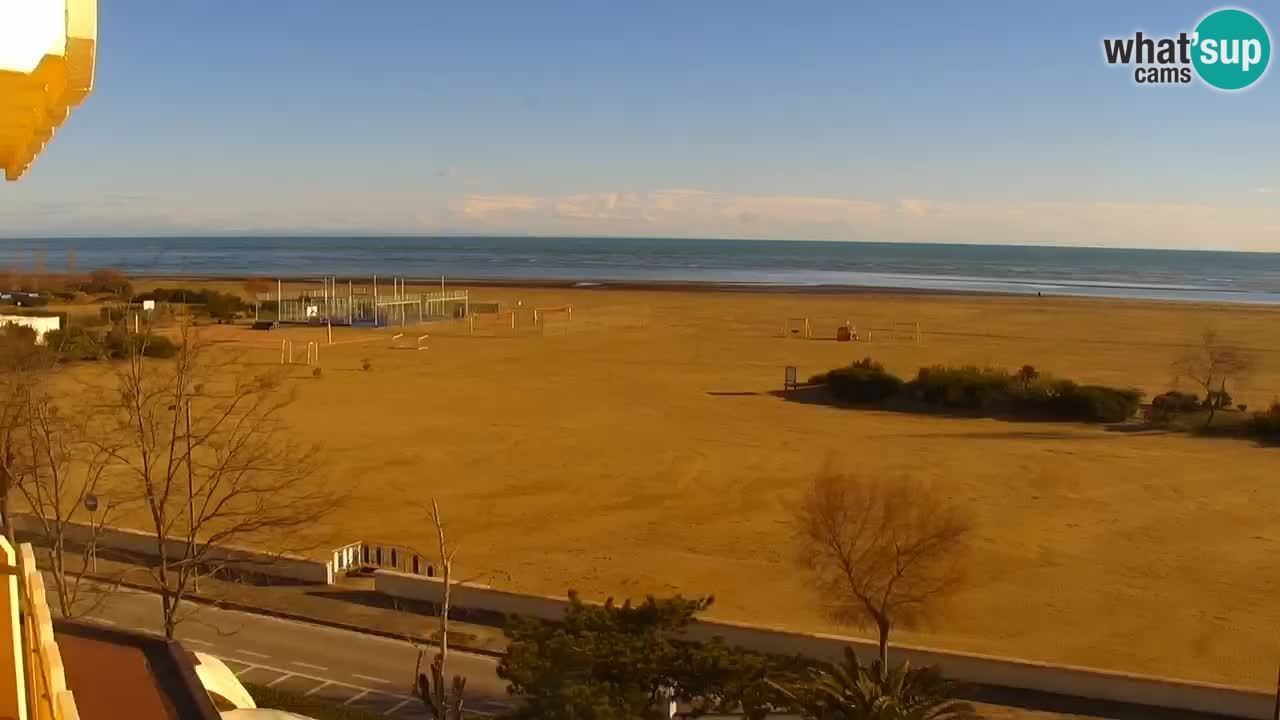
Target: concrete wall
{"points": [[964, 667], [289, 567]]}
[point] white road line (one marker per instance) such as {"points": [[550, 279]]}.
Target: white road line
{"points": [[354, 698], [250, 652], [397, 706], [103, 621], [279, 680], [308, 665], [326, 682], [247, 668], [317, 688], [371, 679], [196, 641]]}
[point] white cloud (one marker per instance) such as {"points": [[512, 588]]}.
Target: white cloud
{"points": [[1264, 190], [699, 213], [673, 212], [493, 207], [913, 207]]}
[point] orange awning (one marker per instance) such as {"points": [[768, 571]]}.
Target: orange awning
{"points": [[46, 68]]}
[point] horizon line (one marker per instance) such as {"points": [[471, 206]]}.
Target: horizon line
{"points": [[294, 235]]}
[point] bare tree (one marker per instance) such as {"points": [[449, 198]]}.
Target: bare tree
{"points": [[22, 364], [882, 552], [443, 703], [1211, 365], [204, 449], [59, 466]]}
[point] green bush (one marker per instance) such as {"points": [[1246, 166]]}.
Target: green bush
{"points": [[218, 305], [991, 392], [971, 388], [106, 280], [1096, 403], [864, 382], [119, 344], [75, 343], [1266, 425], [1175, 402]]}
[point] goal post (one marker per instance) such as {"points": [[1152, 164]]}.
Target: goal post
{"points": [[798, 327]]}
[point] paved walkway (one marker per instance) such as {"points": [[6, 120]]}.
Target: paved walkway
{"points": [[351, 603]]}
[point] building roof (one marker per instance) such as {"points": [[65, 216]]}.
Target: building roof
{"points": [[119, 674], [47, 54]]}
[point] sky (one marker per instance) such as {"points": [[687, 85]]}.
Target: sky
{"points": [[984, 121]]}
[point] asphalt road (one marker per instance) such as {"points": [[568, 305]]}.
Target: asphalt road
{"points": [[366, 671]]}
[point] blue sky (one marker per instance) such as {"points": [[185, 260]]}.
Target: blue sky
{"points": [[942, 121]]}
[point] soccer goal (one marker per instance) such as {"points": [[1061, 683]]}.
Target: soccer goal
{"points": [[897, 332], [797, 327]]}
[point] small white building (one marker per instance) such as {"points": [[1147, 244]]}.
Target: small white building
{"points": [[41, 325]]}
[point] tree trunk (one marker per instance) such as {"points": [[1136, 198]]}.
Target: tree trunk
{"points": [[168, 600], [60, 577], [6, 515], [882, 624]]}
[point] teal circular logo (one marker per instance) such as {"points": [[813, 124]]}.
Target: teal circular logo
{"points": [[1232, 49]]}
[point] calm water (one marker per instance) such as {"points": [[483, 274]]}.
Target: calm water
{"points": [[1161, 274]]}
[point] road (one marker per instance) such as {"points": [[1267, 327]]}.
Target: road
{"points": [[365, 671]]}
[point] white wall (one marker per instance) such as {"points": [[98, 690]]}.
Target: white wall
{"points": [[964, 667], [278, 565], [41, 325]]}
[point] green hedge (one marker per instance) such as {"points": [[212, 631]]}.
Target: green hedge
{"points": [[219, 305], [81, 343], [1266, 425], [863, 382], [989, 392]]}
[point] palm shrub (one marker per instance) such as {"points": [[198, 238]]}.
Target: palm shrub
{"points": [[853, 691]]}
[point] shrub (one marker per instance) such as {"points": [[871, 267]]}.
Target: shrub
{"points": [[366, 365], [1097, 403], [1027, 375], [1218, 399], [218, 305], [1266, 425], [316, 373], [75, 343], [863, 382], [159, 346], [17, 344], [107, 280], [120, 344], [964, 388], [1175, 402]]}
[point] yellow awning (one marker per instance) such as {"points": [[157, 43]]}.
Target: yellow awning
{"points": [[46, 68]]}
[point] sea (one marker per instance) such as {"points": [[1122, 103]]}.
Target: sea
{"points": [[1025, 270]]}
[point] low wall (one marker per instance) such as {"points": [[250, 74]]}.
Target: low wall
{"points": [[964, 667], [284, 566]]}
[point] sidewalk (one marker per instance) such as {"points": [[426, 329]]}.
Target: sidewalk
{"points": [[350, 604]]}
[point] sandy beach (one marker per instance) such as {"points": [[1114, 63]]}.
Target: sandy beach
{"points": [[638, 449]]}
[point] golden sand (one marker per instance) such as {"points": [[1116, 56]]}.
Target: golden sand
{"points": [[637, 450]]}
